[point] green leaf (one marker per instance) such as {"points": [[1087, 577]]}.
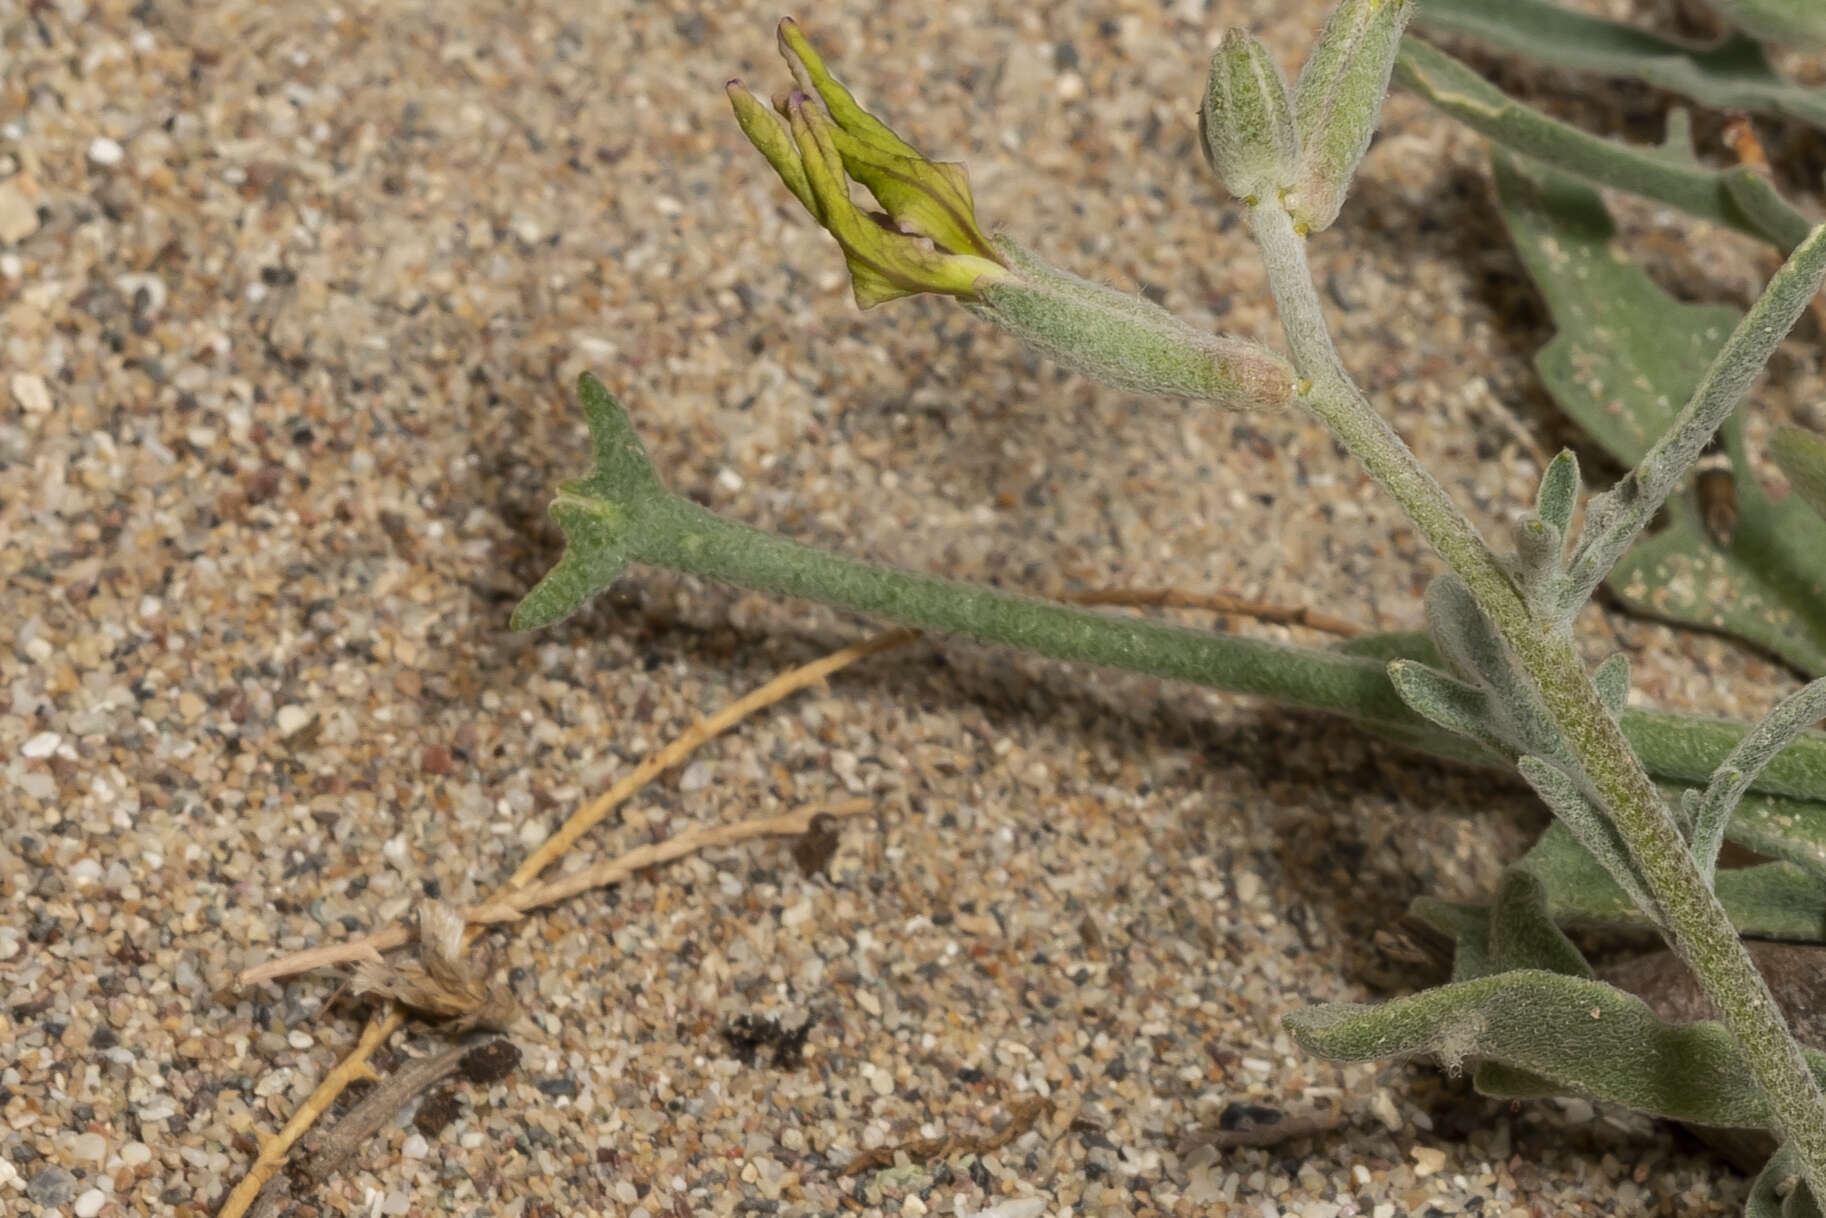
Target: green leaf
{"points": [[1792, 830], [1794, 23], [1779, 1191], [1626, 357], [1738, 198], [599, 515], [1576, 1035], [1802, 456], [1768, 901], [1733, 74]]}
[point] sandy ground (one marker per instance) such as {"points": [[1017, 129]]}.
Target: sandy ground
{"points": [[291, 299]]}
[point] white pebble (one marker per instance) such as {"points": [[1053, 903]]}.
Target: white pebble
{"points": [[89, 1204], [1025, 1207], [415, 1147], [90, 1147], [18, 217], [40, 746], [86, 871], [32, 394], [291, 719], [135, 1153], [397, 1202], [696, 777], [298, 1038], [104, 151]]}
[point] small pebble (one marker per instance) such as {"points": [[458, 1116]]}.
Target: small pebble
{"points": [[90, 1147], [40, 746], [135, 1153], [89, 1204], [291, 719], [18, 218], [1428, 1160], [104, 151], [51, 1186], [415, 1147], [696, 777]]}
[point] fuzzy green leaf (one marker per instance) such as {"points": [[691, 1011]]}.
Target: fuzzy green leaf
{"points": [[1777, 730], [1779, 1192], [1625, 358], [596, 514], [1737, 198], [1769, 901], [1586, 821], [1612, 679], [1457, 707], [1733, 74], [1557, 497], [1802, 456], [1582, 1037]]}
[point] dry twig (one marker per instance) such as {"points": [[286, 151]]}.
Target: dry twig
{"points": [[509, 906], [503, 904], [1220, 602]]}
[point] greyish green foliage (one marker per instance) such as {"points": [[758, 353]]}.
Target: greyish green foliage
{"points": [[1625, 357], [1739, 198], [1733, 74], [1802, 456], [1642, 798]]}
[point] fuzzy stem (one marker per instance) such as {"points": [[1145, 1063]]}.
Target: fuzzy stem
{"points": [[1697, 925]]}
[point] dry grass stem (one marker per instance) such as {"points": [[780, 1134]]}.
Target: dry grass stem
{"points": [[1220, 602], [510, 906], [515, 896]]}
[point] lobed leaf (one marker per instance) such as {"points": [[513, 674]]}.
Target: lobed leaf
{"points": [[1625, 358]]}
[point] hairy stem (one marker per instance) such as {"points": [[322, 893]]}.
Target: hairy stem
{"points": [[1697, 925]]}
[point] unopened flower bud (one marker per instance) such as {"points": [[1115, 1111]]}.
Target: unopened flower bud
{"points": [[1128, 341], [1337, 100], [925, 239], [1245, 123]]}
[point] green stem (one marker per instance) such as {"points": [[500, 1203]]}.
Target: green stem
{"points": [[1698, 927], [678, 534]]}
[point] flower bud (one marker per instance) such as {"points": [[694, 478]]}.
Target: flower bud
{"points": [[1245, 124], [1127, 341], [926, 237], [1337, 100]]}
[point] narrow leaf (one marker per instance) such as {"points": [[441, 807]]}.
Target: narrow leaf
{"points": [[1653, 173], [1612, 679], [1558, 495], [1457, 707], [1790, 717], [1523, 934], [1730, 75], [1770, 900], [1802, 456], [1588, 823], [1583, 1037]]}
